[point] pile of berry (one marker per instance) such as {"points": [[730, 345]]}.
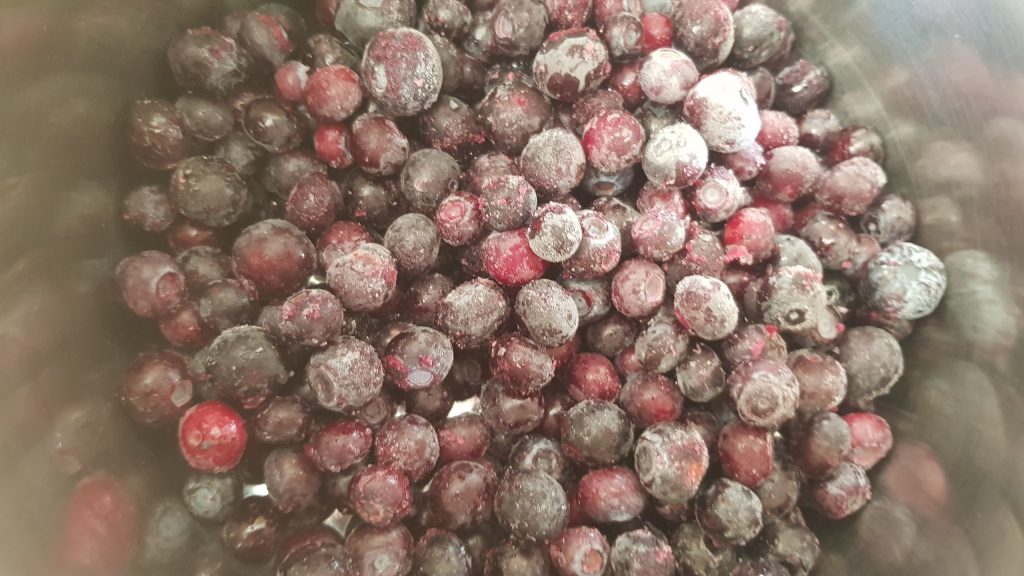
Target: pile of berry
{"points": [[664, 288]]}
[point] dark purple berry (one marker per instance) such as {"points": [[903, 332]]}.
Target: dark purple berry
{"points": [[700, 376], [409, 444], [571, 63], [205, 60], [275, 256], [843, 492], [461, 495], [345, 376], [381, 551], [671, 459], [365, 278], [730, 512], [642, 552], [254, 530], [705, 307], [158, 388], [765, 393], [873, 361], [281, 420], [801, 86], [402, 71], [905, 281], [473, 312], [209, 191], [380, 496], [596, 432], [292, 480], [705, 31]]}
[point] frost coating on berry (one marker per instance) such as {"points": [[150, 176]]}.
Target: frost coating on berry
{"points": [[705, 307], [873, 361], [905, 281], [365, 278], [723, 108], [675, 156], [472, 312], [765, 392], [793, 298], [401, 69], [596, 433], [599, 250], [553, 161], [547, 313], [638, 288], [555, 233], [613, 140], [671, 459], [850, 187], [570, 63], [642, 552], [531, 505], [704, 29], [345, 376], [667, 75], [209, 191]]}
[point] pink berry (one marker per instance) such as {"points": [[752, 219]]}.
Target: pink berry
{"points": [[871, 439], [212, 437]]}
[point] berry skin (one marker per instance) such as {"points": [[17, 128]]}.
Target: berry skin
{"points": [[671, 459], [822, 444], [212, 437], [339, 445], [675, 156], [642, 552], [157, 388], [843, 492], [613, 140], [596, 432], [402, 71], [747, 454], [418, 358], [345, 376], [333, 93], [765, 393], [152, 284], [905, 281], [651, 398], [592, 376], [704, 30], [749, 236], [530, 505], [700, 376], [380, 496], [870, 439], [730, 512], [520, 364], [611, 495], [638, 288], [275, 256], [509, 260], [667, 75], [723, 108], [555, 233], [570, 63], [873, 361], [705, 307], [580, 551], [600, 248]]}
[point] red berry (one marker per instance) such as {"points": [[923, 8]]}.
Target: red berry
{"points": [[658, 31], [509, 260], [870, 439], [212, 437]]}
